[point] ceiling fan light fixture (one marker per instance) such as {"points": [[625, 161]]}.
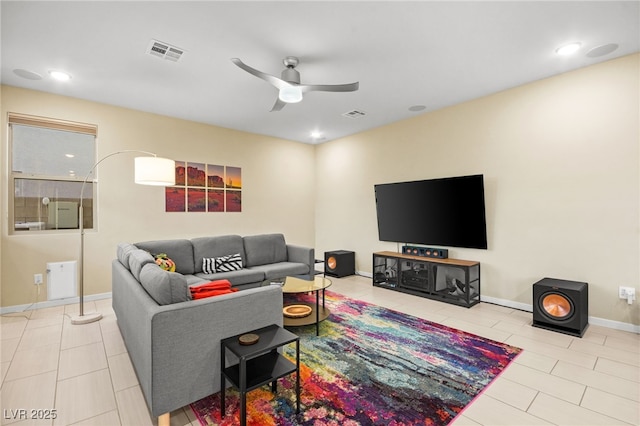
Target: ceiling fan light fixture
{"points": [[289, 87], [290, 94]]}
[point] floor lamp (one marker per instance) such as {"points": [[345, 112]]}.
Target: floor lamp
{"points": [[152, 170]]}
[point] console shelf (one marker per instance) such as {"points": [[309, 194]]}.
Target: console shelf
{"points": [[453, 281]]}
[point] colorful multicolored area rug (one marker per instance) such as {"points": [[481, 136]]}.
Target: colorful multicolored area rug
{"points": [[372, 366]]}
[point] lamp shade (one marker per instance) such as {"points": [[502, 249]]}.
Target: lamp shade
{"points": [[155, 171], [290, 94]]}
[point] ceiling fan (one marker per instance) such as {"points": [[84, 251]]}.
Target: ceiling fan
{"points": [[290, 89]]}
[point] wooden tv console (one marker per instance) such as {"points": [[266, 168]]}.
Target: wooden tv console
{"points": [[453, 281]]}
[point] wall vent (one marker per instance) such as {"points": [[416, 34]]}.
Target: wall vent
{"points": [[164, 51], [354, 114]]}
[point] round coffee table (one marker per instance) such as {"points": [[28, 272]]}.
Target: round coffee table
{"points": [[304, 284]]}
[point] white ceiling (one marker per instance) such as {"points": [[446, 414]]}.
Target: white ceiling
{"points": [[427, 53]]}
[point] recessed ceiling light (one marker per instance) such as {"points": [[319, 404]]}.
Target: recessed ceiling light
{"points": [[316, 134], [29, 75], [60, 75], [416, 108], [69, 155], [568, 48]]}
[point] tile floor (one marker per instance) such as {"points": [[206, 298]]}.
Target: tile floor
{"points": [[84, 372]]}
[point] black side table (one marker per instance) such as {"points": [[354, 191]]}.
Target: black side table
{"points": [[259, 364]]}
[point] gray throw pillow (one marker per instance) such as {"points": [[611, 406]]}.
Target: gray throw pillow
{"points": [[265, 249], [137, 259], [163, 286], [123, 251]]}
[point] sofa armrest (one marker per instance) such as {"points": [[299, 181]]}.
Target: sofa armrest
{"points": [[134, 310], [301, 254]]}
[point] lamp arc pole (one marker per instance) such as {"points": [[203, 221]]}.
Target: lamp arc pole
{"points": [[159, 178]]}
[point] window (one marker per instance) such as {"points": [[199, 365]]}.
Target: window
{"points": [[49, 162]]}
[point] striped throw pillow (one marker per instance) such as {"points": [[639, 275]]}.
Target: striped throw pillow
{"points": [[209, 265], [232, 262]]}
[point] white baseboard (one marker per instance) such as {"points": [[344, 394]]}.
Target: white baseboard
{"points": [[507, 303], [52, 303], [617, 325]]}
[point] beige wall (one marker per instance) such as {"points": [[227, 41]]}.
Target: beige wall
{"points": [[561, 164], [278, 190]]}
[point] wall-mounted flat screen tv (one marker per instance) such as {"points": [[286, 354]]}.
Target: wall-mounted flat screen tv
{"points": [[439, 212]]}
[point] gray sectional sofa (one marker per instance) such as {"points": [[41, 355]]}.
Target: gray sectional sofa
{"points": [[173, 341]]}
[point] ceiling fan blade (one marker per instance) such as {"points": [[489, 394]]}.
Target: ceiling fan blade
{"points": [[275, 81], [350, 87], [278, 105]]}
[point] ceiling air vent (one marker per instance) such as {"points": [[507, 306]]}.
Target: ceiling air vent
{"points": [[164, 51], [354, 114]]}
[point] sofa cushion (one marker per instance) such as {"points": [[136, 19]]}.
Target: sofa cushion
{"points": [[243, 276], [212, 247], [193, 280], [180, 251], [265, 249], [123, 251], [137, 260], [281, 269], [163, 286]]}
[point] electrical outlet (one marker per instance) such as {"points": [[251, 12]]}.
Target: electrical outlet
{"points": [[37, 279], [627, 293]]}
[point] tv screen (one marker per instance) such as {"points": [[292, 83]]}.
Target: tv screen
{"points": [[441, 212]]}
